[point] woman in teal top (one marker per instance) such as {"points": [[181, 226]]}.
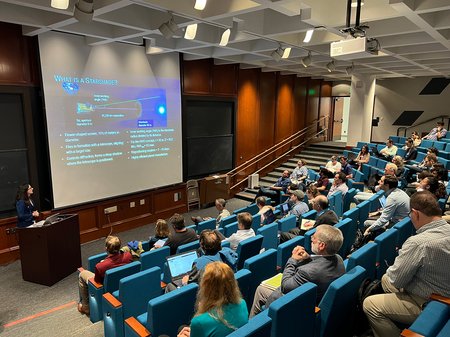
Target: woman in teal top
{"points": [[220, 307]]}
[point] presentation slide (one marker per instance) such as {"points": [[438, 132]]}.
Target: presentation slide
{"points": [[113, 118]]}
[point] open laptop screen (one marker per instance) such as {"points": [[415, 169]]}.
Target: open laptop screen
{"points": [[181, 264]]}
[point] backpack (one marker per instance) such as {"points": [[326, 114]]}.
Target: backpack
{"points": [[366, 289]]}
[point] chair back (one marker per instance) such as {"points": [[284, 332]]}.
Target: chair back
{"points": [[404, 230], [284, 250], [114, 275], [240, 210], [230, 229], [243, 278], [433, 321], [257, 326], [188, 246], [166, 313], [366, 257], [307, 242], [286, 311], [253, 208], [270, 236], [226, 221], [256, 222], [94, 259], [338, 203], [386, 250], [348, 198], [287, 223], [364, 209], [154, 258], [338, 303], [248, 248], [262, 266], [207, 224], [352, 214], [346, 226]]}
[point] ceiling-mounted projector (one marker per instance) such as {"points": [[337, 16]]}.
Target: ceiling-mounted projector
{"points": [[354, 48]]}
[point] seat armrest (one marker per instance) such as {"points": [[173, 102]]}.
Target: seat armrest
{"points": [[137, 327], [440, 298], [95, 284], [114, 302], [409, 333]]}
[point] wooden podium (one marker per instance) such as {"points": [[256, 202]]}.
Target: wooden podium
{"points": [[50, 253], [213, 187]]}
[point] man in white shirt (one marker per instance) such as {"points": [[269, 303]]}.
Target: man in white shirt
{"points": [[333, 165], [389, 151], [339, 184], [244, 231]]}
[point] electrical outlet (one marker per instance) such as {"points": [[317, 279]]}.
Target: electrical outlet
{"points": [[110, 210], [10, 230], [142, 202], [175, 197], [132, 204]]}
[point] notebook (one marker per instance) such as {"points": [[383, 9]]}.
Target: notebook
{"points": [[180, 265], [273, 282]]}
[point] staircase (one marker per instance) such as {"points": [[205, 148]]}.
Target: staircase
{"points": [[316, 154]]}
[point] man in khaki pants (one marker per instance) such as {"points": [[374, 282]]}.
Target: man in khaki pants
{"points": [[420, 269]]}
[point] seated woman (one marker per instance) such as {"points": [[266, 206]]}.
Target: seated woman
{"points": [[223, 213], [416, 139], [363, 157], [220, 307], [322, 183], [162, 232]]}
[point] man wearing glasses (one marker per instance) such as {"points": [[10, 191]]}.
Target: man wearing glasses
{"points": [[321, 268], [420, 269]]}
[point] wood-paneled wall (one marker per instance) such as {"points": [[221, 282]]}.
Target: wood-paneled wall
{"points": [[270, 107]]}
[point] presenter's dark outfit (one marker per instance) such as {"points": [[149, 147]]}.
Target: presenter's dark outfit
{"points": [[24, 213]]}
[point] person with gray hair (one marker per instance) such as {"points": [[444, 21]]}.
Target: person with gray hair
{"points": [[223, 213], [320, 268]]}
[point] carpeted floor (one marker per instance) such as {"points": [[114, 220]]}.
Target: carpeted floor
{"points": [[30, 309]]}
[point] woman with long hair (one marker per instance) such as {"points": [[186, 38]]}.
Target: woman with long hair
{"points": [[220, 308], [363, 157], [24, 206], [161, 232]]}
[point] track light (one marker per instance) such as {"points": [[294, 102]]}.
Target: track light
{"points": [[349, 70], [308, 36], [60, 4], [331, 66], [286, 53], [191, 31], [225, 37], [200, 4], [277, 54], [169, 28], [84, 10], [306, 61]]}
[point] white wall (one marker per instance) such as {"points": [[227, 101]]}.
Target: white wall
{"points": [[393, 96]]}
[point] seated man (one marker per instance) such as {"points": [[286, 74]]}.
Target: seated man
{"points": [[346, 167], [411, 151], [223, 213], [436, 133], [212, 251], [244, 231], [115, 258], [322, 268], [418, 271], [339, 184], [389, 151], [266, 211], [395, 209], [180, 234], [324, 216], [298, 205], [274, 191], [333, 165]]}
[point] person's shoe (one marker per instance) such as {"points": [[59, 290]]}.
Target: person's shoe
{"points": [[82, 310]]}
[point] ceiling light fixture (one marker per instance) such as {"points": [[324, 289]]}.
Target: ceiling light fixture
{"points": [[84, 10], [355, 4], [308, 36], [200, 4], [277, 54], [286, 53], [169, 28], [331, 66], [60, 4], [306, 61], [225, 37], [191, 31]]}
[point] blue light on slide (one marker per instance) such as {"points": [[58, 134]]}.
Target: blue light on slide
{"points": [[162, 109]]}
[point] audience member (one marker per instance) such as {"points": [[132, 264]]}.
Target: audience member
{"points": [[220, 308], [436, 133], [389, 151], [363, 157], [274, 191], [223, 213], [265, 211], [300, 173], [346, 167], [439, 171], [311, 192], [298, 205], [339, 184], [416, 138], [180, 235], [418, 271], [115, 258], [411, 151], [211, 251], [333, 165], [426, 165], [244, 231], [432, 184], [324, 216], [395, 209], [162, 232], [322, 268]]}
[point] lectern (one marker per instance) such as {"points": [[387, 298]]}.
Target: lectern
{"points": [[51, 252]]}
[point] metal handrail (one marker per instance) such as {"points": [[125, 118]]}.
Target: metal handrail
{"points": [[405, 128], [254, 160], [273, 149]]}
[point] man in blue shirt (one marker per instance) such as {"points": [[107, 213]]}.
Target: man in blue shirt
{"points": [[275, 190]]}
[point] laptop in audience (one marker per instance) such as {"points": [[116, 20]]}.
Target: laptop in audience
{"points": [[284, 208], [180, 265]]}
